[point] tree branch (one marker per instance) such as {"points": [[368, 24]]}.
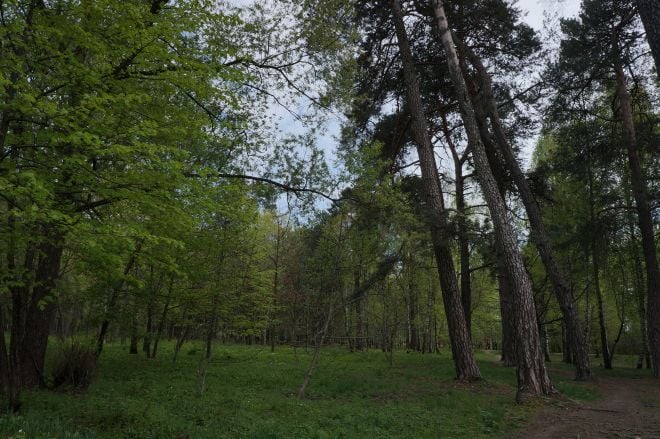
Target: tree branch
{"points": [[283, 186]]}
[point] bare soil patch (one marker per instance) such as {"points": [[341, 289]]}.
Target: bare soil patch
{"points": [[629, 408]]}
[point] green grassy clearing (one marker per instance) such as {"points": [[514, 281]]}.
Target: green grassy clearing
{"points": [[251, 393]]}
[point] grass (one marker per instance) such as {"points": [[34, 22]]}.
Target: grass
{"points": [[249, 392]]}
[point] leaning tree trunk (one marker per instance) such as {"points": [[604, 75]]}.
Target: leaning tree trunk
{"points": [[532, 375], [497, 167], [649, 10], [639, 279], [506, 312], [645, 221], [463, 355], [538, 235]]}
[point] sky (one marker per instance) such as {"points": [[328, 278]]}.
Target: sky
{"points": [[535, 12]]}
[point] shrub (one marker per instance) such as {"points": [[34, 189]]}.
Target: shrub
{"points": [[74, 366]]}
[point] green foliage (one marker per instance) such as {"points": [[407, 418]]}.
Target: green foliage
{"points": [[588, 213], [108, 108]]}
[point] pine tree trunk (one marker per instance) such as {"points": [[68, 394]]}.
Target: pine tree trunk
{"points": [[497, 168], [644, 218], [649, 10], [538, 235], [532, 375], [506, 313], [463, 355]]}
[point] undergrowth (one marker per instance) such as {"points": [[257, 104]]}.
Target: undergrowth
{"points": [[249, 392]]}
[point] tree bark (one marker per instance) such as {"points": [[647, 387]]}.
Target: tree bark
{"points": [[538, 234], [645, 221], [463, 355], [649, 11], [499, 173], [462, 232], [506, 312], [532, 375], [39, 317]]}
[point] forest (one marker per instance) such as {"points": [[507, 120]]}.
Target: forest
{"points": [[334, 218]]}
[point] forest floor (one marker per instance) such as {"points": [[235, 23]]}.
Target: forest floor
{"points": [[249, 392], [629, 408]]}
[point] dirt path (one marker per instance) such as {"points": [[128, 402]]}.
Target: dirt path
{"points": [[629, 408]]}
